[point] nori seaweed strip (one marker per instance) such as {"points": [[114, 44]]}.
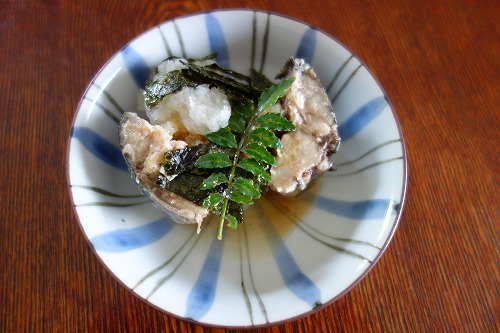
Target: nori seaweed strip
{"points": [[234, 84], [259, 81], [167, 84], [182, 177], [227, 84]]}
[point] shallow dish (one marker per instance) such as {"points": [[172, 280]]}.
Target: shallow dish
{"points": [[291, 256]]}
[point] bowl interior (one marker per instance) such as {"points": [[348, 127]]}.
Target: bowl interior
{"points": [[291, 255]]}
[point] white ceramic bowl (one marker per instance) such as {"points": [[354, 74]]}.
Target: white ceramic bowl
{"points": [[291, 256]]}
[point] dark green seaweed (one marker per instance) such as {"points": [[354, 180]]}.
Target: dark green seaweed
{"points": [[235, 85]]}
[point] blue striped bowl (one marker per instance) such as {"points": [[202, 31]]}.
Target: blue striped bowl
{"points": [[292, 256]]}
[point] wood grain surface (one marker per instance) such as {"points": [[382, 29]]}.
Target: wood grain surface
{"points": [[438, 62]]}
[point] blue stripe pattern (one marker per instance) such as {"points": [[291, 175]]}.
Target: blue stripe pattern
{"points": [[368, 209], [136, 66], [307, 46], [217, 40], [298, 283], [202, 295], [99, 147], [361, 117], [122, 240], [295, 280]]}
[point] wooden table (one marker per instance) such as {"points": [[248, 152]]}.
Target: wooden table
{"points": [[438, 61]]}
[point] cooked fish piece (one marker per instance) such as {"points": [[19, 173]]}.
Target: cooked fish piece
{"points": [[144, 147], [306, 151]]}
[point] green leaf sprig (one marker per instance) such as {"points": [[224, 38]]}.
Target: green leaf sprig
{"points": [[251, 134]]}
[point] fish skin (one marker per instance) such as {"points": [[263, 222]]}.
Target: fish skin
{"points": [[144, 146], [306, 151]]}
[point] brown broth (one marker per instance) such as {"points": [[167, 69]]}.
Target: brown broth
{"points": [[273, 210], [272, 216]]}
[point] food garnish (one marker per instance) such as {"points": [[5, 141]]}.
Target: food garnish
{"points": [[215, 138]]}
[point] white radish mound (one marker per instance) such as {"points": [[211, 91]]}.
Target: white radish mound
{"points": [[199, 110]]}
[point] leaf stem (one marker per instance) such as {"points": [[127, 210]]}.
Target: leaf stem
{"points": [[236, 158]]}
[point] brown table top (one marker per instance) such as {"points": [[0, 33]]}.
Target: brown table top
{"points": [[438, 62]]}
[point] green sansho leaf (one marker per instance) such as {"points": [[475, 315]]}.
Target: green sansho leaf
{"points": [[213, 160], [269, 96], [233, 221], [259, 153], [213, 180], [237, 123], [246, 187], [240, 198], [246, 110], [265, 138], [252, 166], [275, 122], [223, 137], [214, 201]]}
